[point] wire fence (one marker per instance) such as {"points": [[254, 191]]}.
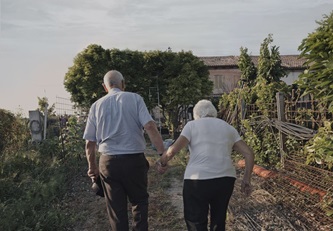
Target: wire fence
{"points": [[65, 106], [305, 189], [308, 113]]}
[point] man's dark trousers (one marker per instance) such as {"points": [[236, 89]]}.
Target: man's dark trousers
{"points": [[124, 177]]}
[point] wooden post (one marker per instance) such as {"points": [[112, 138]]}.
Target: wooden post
{"points": [[45, 120], [243, 109], [281, 117]]}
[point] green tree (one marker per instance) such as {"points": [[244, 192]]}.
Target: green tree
{"points": [[84, 79], [44, 102], [247, 68], [270, 72], [157, 65], [260, 89], [132, 65], [317, 49], [269, 62], [186, 80], [53, 129], [181, 78], [268, 83]]}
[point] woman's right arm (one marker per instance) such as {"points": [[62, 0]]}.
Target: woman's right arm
{"points": [[247, 152]]}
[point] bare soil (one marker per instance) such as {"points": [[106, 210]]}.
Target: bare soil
{"points": [[261, 211]]}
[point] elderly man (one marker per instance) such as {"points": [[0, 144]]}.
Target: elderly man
{"points": [[115, 125]]}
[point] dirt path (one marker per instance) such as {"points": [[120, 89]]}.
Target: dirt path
{"points": [[90, 211], [260, 212]]}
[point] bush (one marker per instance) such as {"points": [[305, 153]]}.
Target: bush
{"points": [[14, 132], [33, 179], [319, 150]]}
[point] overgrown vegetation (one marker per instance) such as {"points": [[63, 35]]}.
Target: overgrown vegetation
{"points": [[34, 177], [317, 48], [13, 133], [317, 80], [319, 150], [258, 87]]}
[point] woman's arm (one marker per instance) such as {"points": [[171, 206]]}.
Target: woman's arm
{"points": [[246, 151], [179, 144]]}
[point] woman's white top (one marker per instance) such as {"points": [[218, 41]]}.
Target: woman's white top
{"points": [[210, 145]]}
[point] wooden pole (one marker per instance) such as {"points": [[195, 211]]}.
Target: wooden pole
{"points": [[281, 117], [45, 120]]}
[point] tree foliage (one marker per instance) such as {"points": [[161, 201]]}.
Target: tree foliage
{"points": [[179, 77], [247, 68], [44, 102], [188, 82], [84, 79], [260, 88], [319, 150], [269, 62], [14, 133], [131, 64], [317, 49]]}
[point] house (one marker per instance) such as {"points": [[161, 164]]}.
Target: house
{"points": [[225, 74]]}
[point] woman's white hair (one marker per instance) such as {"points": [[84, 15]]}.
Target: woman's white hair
{"points": [[204, 108], [113, 79]]}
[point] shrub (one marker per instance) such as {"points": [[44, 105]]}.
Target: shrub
{"points": [[33, 178], [14, 132]]}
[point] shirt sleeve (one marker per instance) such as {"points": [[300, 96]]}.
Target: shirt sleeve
{"points": [[90, 130], [144, 116], [186, 132], [235, 134]]}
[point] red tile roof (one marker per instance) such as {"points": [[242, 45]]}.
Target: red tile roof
{"points": [[288, 61]]}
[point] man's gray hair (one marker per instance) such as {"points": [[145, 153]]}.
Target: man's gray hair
{"points": [[204, 108], [113, 79]]}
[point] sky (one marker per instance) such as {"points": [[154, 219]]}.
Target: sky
{"points": [[40, 38]]}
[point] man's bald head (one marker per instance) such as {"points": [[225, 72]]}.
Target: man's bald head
{"points": [[114, 79]]}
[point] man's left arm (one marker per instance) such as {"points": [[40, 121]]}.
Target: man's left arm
{"points": [[154, 136], [93, 171]]}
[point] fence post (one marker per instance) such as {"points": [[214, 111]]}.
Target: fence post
{"points": [[243, 109], [281, 117], [45, 120]]}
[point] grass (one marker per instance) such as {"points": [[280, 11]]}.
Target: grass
{"points": [[31, 188]]}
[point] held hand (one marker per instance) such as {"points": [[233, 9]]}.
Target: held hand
{"points": [[246, 188], [161, 168]]}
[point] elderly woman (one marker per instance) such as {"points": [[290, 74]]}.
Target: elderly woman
{"points": [[210, 174]]}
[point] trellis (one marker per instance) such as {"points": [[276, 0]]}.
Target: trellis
{"points": [[65, 106], [305, 189]]}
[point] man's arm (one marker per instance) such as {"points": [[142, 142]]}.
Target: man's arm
{"points": [[180, 143], [93, 171], [154, 136]]}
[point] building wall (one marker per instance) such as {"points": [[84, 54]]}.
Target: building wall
{"points": [[225, 80], [292, 77]]}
